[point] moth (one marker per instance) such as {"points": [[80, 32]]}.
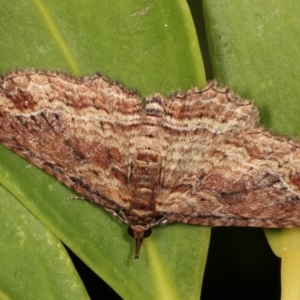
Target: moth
{"points": [[198, 157]]}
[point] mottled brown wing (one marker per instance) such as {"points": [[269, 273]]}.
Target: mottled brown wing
{"points": [[196, 124], [80, 131], [222, 170]]}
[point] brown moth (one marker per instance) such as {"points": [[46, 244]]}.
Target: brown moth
{"points": [[196, 158]]}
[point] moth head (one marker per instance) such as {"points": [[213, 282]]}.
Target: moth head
{"points": [[139, 233]]}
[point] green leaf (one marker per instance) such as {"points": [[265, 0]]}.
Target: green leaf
{"points": [[254, 47], [150, 46], [30, 253]]}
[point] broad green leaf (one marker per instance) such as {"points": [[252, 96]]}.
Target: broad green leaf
{"points": [[150, 46], [254, 49], [30, 253]]}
